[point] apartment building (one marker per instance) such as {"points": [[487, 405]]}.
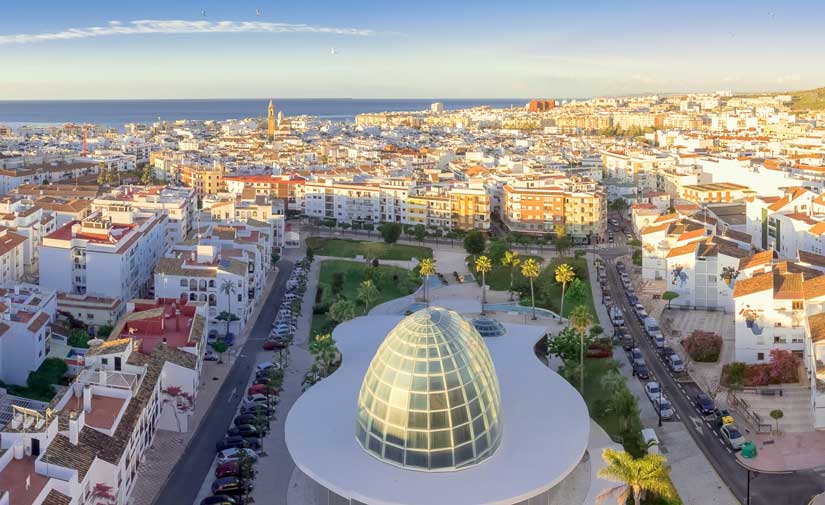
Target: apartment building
{"points": [[544, 204], [249, 206], [12, 256], [110, 254], [288, 188], [722, 192], [93, 311], [177, 204], [21, 216], [26, 311], [469, 207], [350, 202], [87, 445], [204, 179]]}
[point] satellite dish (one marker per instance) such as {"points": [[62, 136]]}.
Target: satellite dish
{"points": [[94, 342]]}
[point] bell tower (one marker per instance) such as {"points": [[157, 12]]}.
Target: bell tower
{"points": [[270, 119]]}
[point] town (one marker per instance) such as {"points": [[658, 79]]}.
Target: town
{"points": [[306, 310]]}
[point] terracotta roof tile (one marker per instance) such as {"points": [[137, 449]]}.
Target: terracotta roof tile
{"points": [[755, 284]]}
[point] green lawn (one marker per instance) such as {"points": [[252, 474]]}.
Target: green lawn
{"points": [[499, 277], [392, 282], [548, 291], [344, 248]]}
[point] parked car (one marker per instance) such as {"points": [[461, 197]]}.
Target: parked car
{"points": [[227, 469], [255, 409], [640, 311], [230, 339], [628, 343], [231, 486], [732, 436], [653, 391], [210, 355], [722, 417], [676, 364], [666, 352], [228, 455], [266, 365], [219, 499], [232, 442], [651, 440], [261, 389], [704, 404], [665, 408], [635, 354], [642, 372], [658, 340], [243, 430], [244, 419], [255, 400]]}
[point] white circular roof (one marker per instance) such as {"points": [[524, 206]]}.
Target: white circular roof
{"points": [[544, 435], [430, 397]]}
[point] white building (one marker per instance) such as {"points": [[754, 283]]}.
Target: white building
{"points": [[26, 311]]}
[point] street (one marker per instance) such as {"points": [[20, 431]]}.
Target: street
{"points": [[188, 476], [765, 489]]}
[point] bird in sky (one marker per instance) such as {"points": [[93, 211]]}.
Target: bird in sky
{"points": [[333, 51], [203, 13], [258, 12]]}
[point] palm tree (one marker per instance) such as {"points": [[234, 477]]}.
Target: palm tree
{"points": [[426, 268], [648, 474], [228, 288], [511, 260], [581, 319], [530, 269], [564, 274], [483, 265], [325, 352], [368, 293]]}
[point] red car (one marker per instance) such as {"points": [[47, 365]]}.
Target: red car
{"points": [[230, 469], [271, 345], [260, 389]]}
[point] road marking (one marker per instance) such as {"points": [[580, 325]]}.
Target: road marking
{"points": [[697, 423]]}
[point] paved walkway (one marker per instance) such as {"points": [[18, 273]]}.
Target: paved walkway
{"points": [[168, 446], [786, 452]]}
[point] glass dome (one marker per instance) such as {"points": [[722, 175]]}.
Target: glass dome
{"points": [[488, 327], [430, 398]]}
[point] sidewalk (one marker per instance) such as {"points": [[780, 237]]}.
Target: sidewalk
{"points": [[168, 446], [787, 452]]}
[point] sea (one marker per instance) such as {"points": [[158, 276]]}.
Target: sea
{"points": [[116, 113]]}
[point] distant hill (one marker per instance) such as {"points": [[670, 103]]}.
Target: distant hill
{"points": [[812, 99]]}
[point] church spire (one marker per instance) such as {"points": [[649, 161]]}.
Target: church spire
{"points": [[270, 119]]}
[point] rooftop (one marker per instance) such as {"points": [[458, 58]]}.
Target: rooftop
{"points": [[13, 478]]}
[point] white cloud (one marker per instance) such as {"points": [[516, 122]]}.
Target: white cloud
{"points": [[148, 26]]}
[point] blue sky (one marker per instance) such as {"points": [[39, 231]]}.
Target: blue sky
{"points": [[401, 49]]}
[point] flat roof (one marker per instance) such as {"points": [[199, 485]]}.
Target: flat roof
{"points": [[546, 429]]}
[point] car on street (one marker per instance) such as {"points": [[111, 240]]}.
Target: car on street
{"points": [[658, 340], [642, 372], [666, 352], [676, 364], [652, 391], [266, 365], [640, 311], [218, 499], [230, 486], [704, 404], [276, 343], [228, 455], [243, 430], [253, 410], [666, 409], [227, 469], [261, 389], [722, 417], [635, 354], [628, 343], [210, 355], [732, 436], [244, 419], [233, 442], [229, 339], [255, 399]]}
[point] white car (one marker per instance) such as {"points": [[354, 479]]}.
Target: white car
{"points": [[666, 410], [254, 400], [676, 364], [653, 391], [732, 436], [233, 454]]}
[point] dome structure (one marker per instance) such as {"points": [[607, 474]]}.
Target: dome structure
{"points": [[430, 397], [489, 327]]}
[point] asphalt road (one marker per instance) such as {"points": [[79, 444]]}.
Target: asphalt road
{"points": [[189, 473], [766, 489]]}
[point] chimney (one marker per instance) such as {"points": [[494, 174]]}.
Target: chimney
{"points": [[74, 429], [87, 398]]}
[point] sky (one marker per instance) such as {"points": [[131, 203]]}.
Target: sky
{"points": [[404, 49]]}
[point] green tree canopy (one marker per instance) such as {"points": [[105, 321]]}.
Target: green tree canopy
{"points": [[390, 232], [475, 242]]}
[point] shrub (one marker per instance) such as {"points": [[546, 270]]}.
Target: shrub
{"points": [[703, 346], [320, 308], [580, 253], [783, 368]]}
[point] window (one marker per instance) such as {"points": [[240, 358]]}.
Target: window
{"points": [[796, 305], [760, 356], [104, 361]]}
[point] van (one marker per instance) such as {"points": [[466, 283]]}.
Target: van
{"points": [[658, 339], [616, 316], [651, 325], [651, 440]]}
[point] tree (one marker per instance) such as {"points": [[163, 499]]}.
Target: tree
{"points": [[564, 273], [563, 242], [581, 319], [530, 270], [619, 205], [342, 310], [337, 285], [512, 261], [567, 344], [220, 346], [426, 269], [367, 293], [577, 294], [369, 227], [246, 471], [498, 248], [228, 288], [78, 338], [637, 477], [310, 254], [147, 176], [777, 414], [419, 232], [227, 317], [483, 265], [669, 296], [475, 242], [325, 352], [390, 232], [104, 331]]}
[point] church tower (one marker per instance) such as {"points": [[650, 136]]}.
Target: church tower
{"points": [[270, 119]]}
